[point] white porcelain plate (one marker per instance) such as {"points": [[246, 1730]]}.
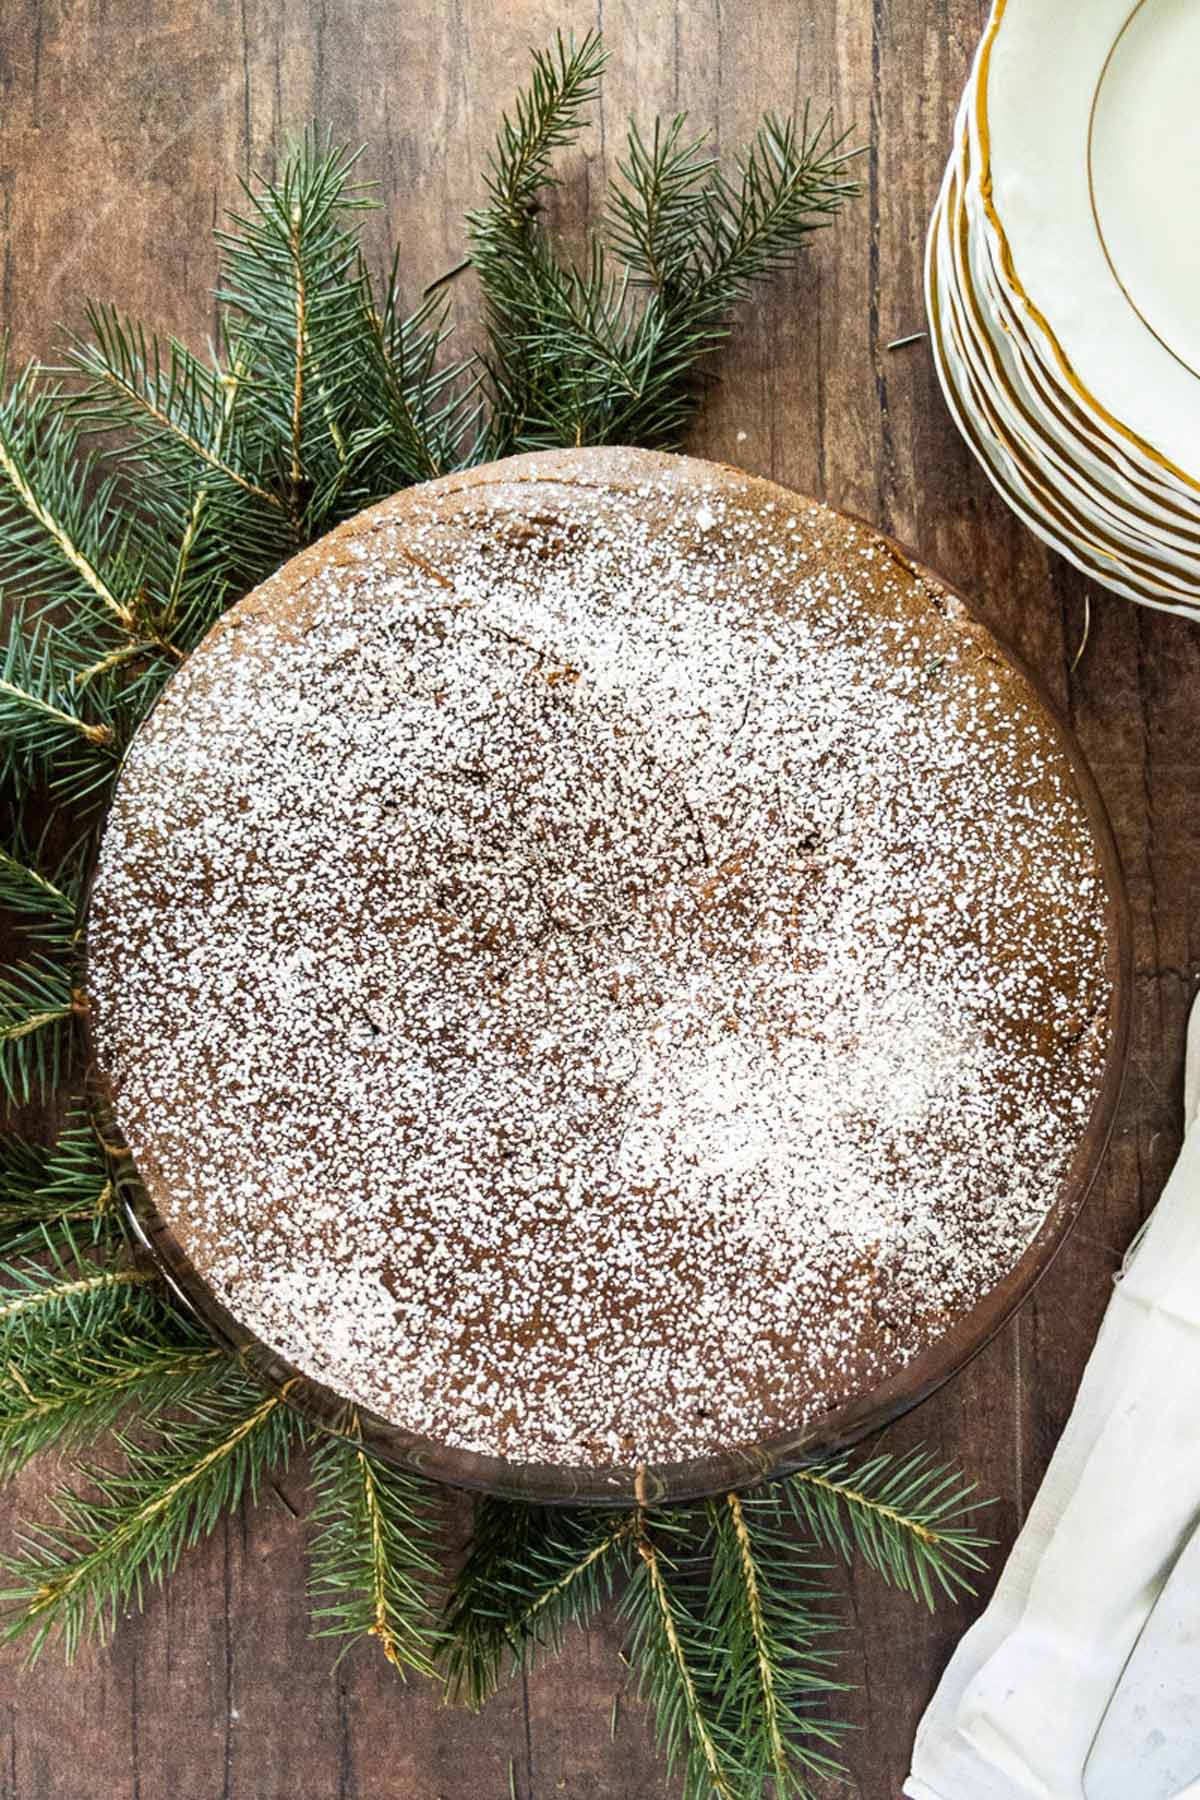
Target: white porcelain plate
{"points": [[1089, 129], [971, 410], [1138, 174], [1045, 491]]}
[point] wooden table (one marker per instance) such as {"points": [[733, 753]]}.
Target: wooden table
{"points": [[125, 128]]}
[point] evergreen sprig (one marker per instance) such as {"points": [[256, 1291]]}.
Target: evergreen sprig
{"points": [[375, 1559], [770, 1614], [728, 1626], [593, 353], [142, 490], [529, 1573], [678, 1660], [64, 1194], [47, 905], [50, 727], [183, 433], [128, 1531], [62, 537], [68, 1293], [38, 999], [37, 1009], [911, 1519], [64, 1395]]}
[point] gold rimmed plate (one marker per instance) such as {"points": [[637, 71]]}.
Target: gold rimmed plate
{"points": [[1054, 507], [1088, 144]]}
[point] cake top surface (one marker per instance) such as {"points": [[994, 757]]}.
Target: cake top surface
{"points": [[599, 961]]}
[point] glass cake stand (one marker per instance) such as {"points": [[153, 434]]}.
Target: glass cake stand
{"points": [[740, 1465]]}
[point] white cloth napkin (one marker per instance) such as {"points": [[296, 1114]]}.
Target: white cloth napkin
{"points": [[1024, 1693]]}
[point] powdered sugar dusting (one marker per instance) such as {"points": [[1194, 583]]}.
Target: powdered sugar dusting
{"points": [[600, 964]]}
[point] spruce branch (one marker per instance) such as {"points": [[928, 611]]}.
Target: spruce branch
{"points": [[48, 1227], [47, 727], [656, 210], [589, 354], [69, 1294], [909, 1518], [188, 460], [22, 1176], [421, 417], [374, 1561], [59, 530], [771, 1617], [77, 1172], [37, 1040], [530, 1572], [347, 393], [63, 1396], [173, 410], [65, 1193], [48, 907], [791, 180], [547, 116], [678, 1660], [76, 1575], [178, 591], [293, 283]]}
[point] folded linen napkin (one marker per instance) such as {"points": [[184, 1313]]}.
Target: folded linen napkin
{"points": [[1023, 1697]]}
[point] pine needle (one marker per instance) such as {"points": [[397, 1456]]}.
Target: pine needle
{"points": [[596, 353], [58, 1198], [46, 727], [375, 1559], [678, 1660], [773, 1617], [76, 1576], [71, 1295], [529, 1574], [46, 517], [37, 1007], [61, 1397], [909, 1518], [47, 910]]}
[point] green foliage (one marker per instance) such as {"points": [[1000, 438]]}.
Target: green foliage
{"points": [[67, 1190], [63, 1394], [730, 1619], [375, 1562], [37, 997], [910, 1518], [342, 394], [127, 1531], [529, 1573], [22, 1174], [47, 906], [63, 538], [728, 1633], [770, 1615], [678, 1659], [68, 1293], [592, 354], [324, 395], [185, 440], [49, 725], [36, 1035]]}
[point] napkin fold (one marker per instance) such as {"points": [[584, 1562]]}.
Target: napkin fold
{"points": [[1024, 1693]]}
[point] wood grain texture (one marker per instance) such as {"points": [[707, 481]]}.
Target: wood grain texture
{"points": [[126, 126]]}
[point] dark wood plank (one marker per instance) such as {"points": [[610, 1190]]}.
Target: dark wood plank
{"points": [[126, 127]]}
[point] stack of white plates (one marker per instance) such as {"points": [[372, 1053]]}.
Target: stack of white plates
{"points": [[1063, 283]]}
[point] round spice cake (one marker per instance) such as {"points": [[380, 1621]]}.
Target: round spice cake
{"points": [[601, 962]]}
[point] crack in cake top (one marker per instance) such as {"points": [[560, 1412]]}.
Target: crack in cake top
{"points": [[598, 961]]}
